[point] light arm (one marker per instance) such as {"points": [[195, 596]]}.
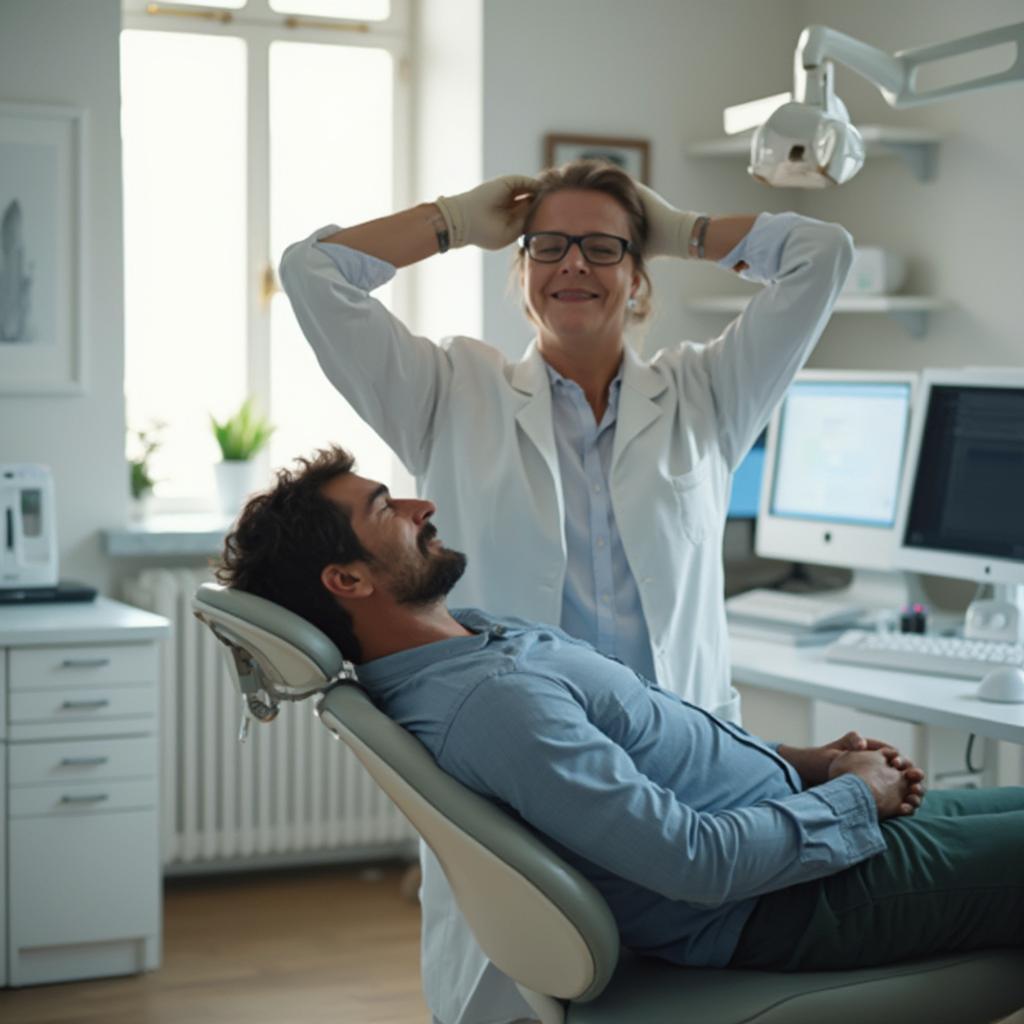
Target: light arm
{"points": [[895, 74]]}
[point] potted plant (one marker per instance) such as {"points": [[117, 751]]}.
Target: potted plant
{"points": [[240, 438], [143, 444]]}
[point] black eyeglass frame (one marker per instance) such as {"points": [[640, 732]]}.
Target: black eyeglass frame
{"points": [[570, 241]]}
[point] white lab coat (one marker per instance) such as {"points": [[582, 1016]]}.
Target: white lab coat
{"points": [[476, 431]]}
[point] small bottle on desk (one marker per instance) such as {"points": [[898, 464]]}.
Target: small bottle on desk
{"points": [[914, 619]]}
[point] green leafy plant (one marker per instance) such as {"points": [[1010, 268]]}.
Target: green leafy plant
{"points": [[144, 443], [241, 436]]}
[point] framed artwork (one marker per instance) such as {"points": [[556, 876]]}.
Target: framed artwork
{"points": [[632, 155], [41, 247]]}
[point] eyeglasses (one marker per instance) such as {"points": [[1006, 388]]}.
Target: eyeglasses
{"points": [[551, 246]]}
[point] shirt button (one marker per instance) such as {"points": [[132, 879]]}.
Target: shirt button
{"points": [[597, 488], [600, 542], [499, 631], [606, 598]]}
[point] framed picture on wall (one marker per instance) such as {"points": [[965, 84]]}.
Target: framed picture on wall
{"points": [[632, 155], [41, 245]]}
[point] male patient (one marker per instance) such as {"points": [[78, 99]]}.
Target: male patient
{"points": [[711, 847]]}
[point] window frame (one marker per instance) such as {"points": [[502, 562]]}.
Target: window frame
{"points": [[258, 26]]}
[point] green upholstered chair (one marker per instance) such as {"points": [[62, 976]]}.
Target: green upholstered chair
{"points": [[537, 918]]}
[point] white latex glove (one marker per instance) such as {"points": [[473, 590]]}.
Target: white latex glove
{"points": [[490, 215], [668, 229]]}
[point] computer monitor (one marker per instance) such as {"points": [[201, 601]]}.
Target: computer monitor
{"points": [[745, 495], [962, 513], [834, 463]]}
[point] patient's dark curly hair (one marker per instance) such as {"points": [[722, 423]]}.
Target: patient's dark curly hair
{"points": [[284, 538]]}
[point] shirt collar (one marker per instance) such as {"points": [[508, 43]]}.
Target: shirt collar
{"points": [[486, 628]]}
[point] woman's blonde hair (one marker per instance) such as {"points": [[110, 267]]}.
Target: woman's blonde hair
{"points": [[597, 176]]}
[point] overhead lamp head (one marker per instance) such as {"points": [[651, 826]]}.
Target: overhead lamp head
{"points": [[804, 146]]}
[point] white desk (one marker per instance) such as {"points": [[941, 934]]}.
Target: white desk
{"points": [[930, 700]]}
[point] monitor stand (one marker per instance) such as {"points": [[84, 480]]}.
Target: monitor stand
{"points": [[999, 617], [879, 590], [873, 589]]}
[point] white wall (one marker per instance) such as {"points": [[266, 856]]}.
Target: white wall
{"points": [[66, 52]]}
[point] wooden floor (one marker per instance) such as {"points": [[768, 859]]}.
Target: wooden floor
{"points": [[317, 946]]}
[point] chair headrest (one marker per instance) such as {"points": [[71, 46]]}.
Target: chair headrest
{"points": [[274, 650]]}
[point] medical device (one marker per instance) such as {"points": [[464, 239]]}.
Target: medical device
{"points": [[28, 555], [808, 141], [962, 509], [833, 468]]}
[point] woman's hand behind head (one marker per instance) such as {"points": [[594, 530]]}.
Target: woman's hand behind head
{"points": [[491, 215], [668, 229]]}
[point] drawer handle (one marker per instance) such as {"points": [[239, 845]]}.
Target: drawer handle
{"points": [[82, 762], [84, 705], [93, 798], [84, 662]]}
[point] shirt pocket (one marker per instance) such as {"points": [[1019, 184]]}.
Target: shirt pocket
{"points": [[694, 500]]}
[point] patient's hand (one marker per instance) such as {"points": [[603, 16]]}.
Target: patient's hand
{"points": [[813, 763], [898, 789]]}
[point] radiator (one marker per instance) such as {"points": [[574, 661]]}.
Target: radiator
{"points": [[290, 794]]}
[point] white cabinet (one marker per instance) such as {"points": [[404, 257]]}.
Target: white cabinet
{"points": [[80, 791]]}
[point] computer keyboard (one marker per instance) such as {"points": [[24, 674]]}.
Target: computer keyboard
{"points": [[805, 611], [933, 655]]}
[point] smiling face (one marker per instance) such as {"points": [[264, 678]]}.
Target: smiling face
{"points": [[572, 301], [406, 558]]}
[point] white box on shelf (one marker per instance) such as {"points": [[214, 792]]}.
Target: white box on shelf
{"points": [[875, 271]]}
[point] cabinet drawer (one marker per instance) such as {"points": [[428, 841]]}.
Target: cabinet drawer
{"points": [[32, 764], [65, 800], [34, 668], [95, 879], [58, 707]]}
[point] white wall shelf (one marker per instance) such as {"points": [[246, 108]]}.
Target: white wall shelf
{"points": [[909, 310], [917, 147]]}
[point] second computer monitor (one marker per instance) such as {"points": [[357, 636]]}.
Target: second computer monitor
{"points": [[962, 512], [834, 463]]}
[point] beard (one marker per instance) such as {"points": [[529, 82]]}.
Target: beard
{"points": [[430, 578]]}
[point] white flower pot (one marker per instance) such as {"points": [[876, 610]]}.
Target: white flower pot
{"points": [[236, 480], [139, 508]]}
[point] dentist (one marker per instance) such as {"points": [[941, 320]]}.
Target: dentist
{"points": [[587, 486]]}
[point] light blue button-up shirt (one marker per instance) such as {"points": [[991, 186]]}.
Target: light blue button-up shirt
{"points": [[680, 819], [600, 598]]}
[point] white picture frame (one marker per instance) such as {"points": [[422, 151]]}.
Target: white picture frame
{"points": [[42, 239]]}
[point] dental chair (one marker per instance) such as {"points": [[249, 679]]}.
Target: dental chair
{"points": [[537, 918]]}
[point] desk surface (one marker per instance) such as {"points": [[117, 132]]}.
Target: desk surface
{"points": [[98, 621], [932, 700]]}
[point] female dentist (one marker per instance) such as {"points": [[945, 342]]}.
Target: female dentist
{"points": [[587, 486]]}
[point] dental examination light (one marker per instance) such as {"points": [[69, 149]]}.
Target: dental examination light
{"points": [[808, 141]]}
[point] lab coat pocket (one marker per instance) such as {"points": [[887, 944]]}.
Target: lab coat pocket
{"points": [[694, 500]]}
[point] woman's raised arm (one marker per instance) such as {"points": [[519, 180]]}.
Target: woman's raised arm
{"points": [[489, 216]]}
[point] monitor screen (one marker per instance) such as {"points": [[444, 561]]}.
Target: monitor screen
{"points": [[746, 483], [968, 492], [839, 452], [834, 469]]}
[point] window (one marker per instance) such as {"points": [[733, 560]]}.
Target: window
{"points": [[246, 127]]}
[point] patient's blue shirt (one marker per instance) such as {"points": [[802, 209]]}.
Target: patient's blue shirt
{"points": [[680, 819]]}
